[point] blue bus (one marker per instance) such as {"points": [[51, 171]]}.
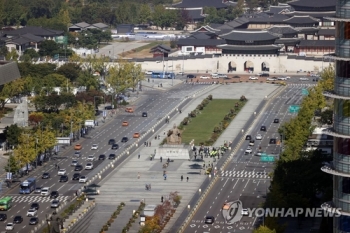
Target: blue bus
{"points": [[160, 74], [28, 186]]}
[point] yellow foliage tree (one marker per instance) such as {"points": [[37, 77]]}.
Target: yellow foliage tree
{"points": [[151, 225], [11, 89], [25, 151], [327, 78], [45, 139]]}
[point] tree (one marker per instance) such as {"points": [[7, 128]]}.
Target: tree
{"points": [[48, 48], [41, 8], [45, 139], [264, 229], [327, 78], [31, 53], [36, 118], [70, 71], [3, 51], [144, 14], [25, 151], [12, 134], [36, 70], [327, 117], [12, 165], [9, 90]]}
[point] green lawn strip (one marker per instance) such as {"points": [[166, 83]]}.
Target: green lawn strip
{"points": [[201, 127]]}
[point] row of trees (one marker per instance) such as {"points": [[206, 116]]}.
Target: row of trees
{"points": [[298, 181]]}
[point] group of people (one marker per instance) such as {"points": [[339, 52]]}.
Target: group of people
{"points": [[147, 144]]}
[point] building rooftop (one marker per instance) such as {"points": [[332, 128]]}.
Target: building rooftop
{"points": [[200, 3], [8, 72], [317, 43], [162, 48], [249, 48], [195, 14], [298, 19], [313, 3], [199, 42], [250, 36], [282, 30], [34, 30]]}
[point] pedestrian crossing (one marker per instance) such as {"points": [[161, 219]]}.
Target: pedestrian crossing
{"points": [[36, 198], [201, 83], [245, 174], [301, 84]]}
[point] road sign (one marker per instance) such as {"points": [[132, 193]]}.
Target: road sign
{"points": [[56, 56], [294, 108], [104, 114], [268, 158], [61, 39], [304, 92]]}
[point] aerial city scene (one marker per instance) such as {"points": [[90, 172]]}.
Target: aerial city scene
{"points": [[170, 116]]}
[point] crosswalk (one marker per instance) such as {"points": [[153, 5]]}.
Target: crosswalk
{"points": [[301, 84], [201, 83], [245, 174], [36, 198]]}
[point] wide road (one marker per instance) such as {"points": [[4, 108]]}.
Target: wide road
{"points": [[246, 178], [156, 103]]}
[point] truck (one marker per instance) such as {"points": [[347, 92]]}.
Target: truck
{"points": [[90, 123]]}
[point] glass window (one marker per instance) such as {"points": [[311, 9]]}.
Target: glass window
{"points": [[346, 185], [344, 223], [343, 69], [342, 146]]}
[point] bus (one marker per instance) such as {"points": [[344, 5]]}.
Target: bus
{"points": [[28, 186], [160, 74], [5, 203]]}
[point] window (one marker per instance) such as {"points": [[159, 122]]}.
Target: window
{"points": [[343, 30], [346, 185], [343, 69]]}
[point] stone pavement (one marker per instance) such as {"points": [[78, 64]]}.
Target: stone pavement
{"points": [[124, 185]]}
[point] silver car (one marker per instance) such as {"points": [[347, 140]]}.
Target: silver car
{"points": [[55, 203]]}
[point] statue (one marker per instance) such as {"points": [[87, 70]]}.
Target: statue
{"points": [[55, 223], [174, 136]]}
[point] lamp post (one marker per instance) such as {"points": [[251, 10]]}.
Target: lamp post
{"points": [[183, 64]]}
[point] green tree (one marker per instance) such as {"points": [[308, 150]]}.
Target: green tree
{"points": [[14, 13], [327, 78], [36, 70], [3, 51], [327, 117], [9, 90], [144, 14], [45, 139], [12, 55], [12, 134], [31, 53], [48, 48], [41, 8], [70, 71], [12, 165], [264, 229], [25, 153]]}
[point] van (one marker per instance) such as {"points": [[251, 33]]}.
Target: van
{"points": [[129, 109]]}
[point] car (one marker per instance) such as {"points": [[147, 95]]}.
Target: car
{"points": [[258, 137], [74, 163], [91, 158], [272, 141], [111, 156], [89, 166], [271, 79], [191, 76], [77, 153], [33, 221], [209, 220], [253, 78], [129, 109], [244, 212], [55, 203], [125, 139], [148, 72], [263, 128], [214, 75], [264, 74], [136, 135], [94, 147], [45, 191], [259, 153], [76, 176], [35, 205], [276, 120], [111, 141], [249, 150], [108, 107], [9, 226], [63, 178], [248, 137], [54, 194], [31, 213], [282, 78], [115, 147], [102, 157], [144, 114], [18, 219], [125, 123], [45, 175], [3, 217], [251, 143], [78, 167], [82, 179], [222, 76], [62, 172], [37, 190], [303, 79], [78, 147], [204, 77]]}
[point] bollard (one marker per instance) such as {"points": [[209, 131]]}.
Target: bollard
{"points": [[199, 190], [112, 165], [209, 176], [136, 145], [98, 192], [127, 152], [99, 176], [188, 206], [133, 211]]}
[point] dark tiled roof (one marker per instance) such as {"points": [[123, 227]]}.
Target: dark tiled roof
{"points": [[326, 32], [37, 31], [195, 42], [32, 37], [8, 72], [317, 43], [301, 20], [100, 25], [283, 30], [308, 30], [199, 35], [249, 48], [162, 48], [287, 41], [200, 3], [313, 3], [238, 22], [248, 36], [272, 19], [278, 9], [82, 25], [315, 14], [18, 40], [195, 14], [208, 28]]}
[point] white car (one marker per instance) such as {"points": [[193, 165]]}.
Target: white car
{"points": [[45, 191], [244, 212], [94, 147], [249, 150], [31, 213], [303, 79], [253, 78], [271, 79], [89, 166], [148, 72], [62, 172], [282, 78], [91, 158], [258, 137], [287, 77], [9, 226], [204, 77], [82, 179], [214, 75], [259, 153], [222, 75]]}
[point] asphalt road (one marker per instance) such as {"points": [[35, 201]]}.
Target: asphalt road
{"points": [[245, 178], [156, 103]]}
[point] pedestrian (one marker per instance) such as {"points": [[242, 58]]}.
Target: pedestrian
{"points": [[161, 158], [150, 157], [158, 137], [55, 165], [195, 157], [212, 165], [149, 143], [161, 199], [168, 160], [145, 143], [138, 175], [182, 177], [58, 167], [164, 176], [139, 156], [187, 178], [76, 193], [202, 157], [164, 132]]}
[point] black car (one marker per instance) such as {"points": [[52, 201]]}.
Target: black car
{"points": [[272, 141], [64, 178], [209, 219], [17, 219], [125, 139], [35, 206], [191, 76], [33, 221], [45, 175], [264, 75], [3, 217], [115, 146], [54, 194], [108, 108], [263, 128], [248, 137], [111, 156], [101, 157], [276, 121], [78, 167], [76, 176], [111, 141], [144, 114]]}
